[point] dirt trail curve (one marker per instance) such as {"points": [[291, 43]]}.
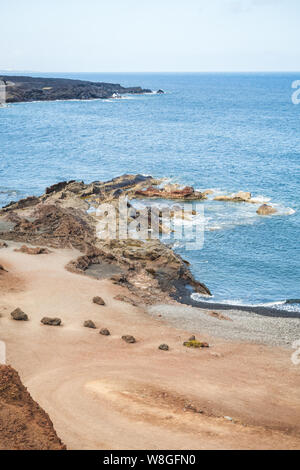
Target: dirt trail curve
{"points": [[102, 393]]}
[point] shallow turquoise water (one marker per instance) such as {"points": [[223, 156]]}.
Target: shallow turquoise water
{"points": [[228, 132]]}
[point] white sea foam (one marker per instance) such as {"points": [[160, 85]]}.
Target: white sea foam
{"points": [[272, 304], [214, 228], [177, 245], [260, 199], [201, 297], [279, 304], [281, 210], [222, 215]]}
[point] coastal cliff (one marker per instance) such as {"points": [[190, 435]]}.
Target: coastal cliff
{"points": [[23, 89]]}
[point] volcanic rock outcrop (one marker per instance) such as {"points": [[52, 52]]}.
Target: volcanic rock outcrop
{"points": [[62, 218], [171, 192]]}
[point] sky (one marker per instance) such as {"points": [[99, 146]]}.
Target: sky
{"points": [[150, 36]]}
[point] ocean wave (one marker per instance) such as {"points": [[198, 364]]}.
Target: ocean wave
{"points": [[202, 297], [260, 199], [288, 305], [214, 228]]}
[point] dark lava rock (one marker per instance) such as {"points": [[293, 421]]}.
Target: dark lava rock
{"points": [[58, 186], [19, 315], [117, 193], [51, 321], [98, 300], [125, 181], [164, 347], [89, 324], [105, 332], [129, 339]]}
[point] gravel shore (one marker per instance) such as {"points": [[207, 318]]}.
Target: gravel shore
{"points": [[245, 326]]}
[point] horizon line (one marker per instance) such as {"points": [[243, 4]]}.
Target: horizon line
{"points": [[10, 71]]}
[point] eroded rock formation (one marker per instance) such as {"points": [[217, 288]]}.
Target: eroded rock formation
{"points": [[171, 192], [23, 423], [61, 218]]}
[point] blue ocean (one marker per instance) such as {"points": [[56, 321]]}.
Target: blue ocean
{"points": [[225, 132]]}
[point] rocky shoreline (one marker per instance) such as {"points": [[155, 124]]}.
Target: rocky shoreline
{"points": [[27, 89], [63, 217], [259, 310], [96, 330], [59, 219]]}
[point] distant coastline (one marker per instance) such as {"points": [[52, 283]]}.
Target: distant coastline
{"points": [[28, 89]]}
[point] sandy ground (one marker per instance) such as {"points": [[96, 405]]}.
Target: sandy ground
{"points": [[242, 326], [102, 393]]}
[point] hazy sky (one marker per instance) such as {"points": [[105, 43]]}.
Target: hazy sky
{"points": [[157, 35]]}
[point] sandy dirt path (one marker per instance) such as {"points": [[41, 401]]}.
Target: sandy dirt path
{"points": [[102, 393]]}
